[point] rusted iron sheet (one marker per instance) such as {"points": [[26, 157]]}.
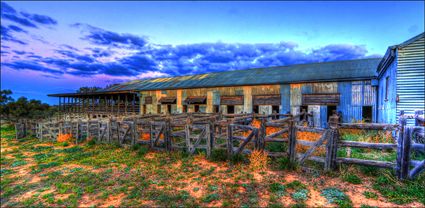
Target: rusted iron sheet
{"points": [[231, 100], [266, 99], [195, 100], [167, 100], [320, 99]]}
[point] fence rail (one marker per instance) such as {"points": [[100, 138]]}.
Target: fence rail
{"points": [[237, 134]]}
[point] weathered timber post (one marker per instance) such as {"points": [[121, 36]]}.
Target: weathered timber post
{"points": [[133, 133], [292, 136], [109, 129], [77, 136], [99, 132], [151, 132], [332, 143], [403, 148], [211, 141], [187, 129], [260, 143], [209, 138], [229, 140], [167, 134]]}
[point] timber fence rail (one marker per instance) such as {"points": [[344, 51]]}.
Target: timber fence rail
{"points": [[237, 134]]}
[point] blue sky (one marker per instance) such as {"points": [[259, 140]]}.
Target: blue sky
{"points": [[51, 47]]}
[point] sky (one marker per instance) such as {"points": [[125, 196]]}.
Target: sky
{"points": [[57, 47]]}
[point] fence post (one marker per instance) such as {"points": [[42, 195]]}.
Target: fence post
{"points": [[260, 143], [332, 143], [229, 140], [209, 139], [167, 133], [292, 136], [403, 149], [211, 126]]}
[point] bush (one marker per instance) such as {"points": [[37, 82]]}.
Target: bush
{"points": [[296, 185], [277, 188], [351, 178], [370, 195], [335, 196], [285, 164], [218, 155], [258, 160], [300, 195]]}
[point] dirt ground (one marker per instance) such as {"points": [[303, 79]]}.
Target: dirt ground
{"points": [[52, 174]]}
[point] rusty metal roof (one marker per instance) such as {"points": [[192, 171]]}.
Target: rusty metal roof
{"points": [[325, 71]]}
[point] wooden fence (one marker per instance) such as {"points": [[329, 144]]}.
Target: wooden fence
{"points": [[237, 134]]}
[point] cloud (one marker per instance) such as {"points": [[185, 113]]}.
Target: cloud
{"points": [[19, 20], [24, 18], [77, 57], [103, 37], [26, 65], [5, 8], [126, 55], [7, 36], [42, 19], [17, 29]]}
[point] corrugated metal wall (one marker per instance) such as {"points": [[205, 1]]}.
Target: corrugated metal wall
{"points": [[410, 78], [387, 107]]}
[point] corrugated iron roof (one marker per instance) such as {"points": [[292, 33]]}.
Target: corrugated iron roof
{"points": [[390, 53], [325, 71]]}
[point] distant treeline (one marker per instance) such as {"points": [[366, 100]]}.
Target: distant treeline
{"points": [[22, 108]]}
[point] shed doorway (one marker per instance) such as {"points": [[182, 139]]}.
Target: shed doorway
{"points": [[367, 114], [230, 109], [331, 109]]}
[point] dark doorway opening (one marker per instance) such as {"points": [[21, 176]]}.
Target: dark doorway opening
{"points": [[275, 109], [230, 109], [196, 108], [331, 110], [184, 108], [169, 109], [367, 114], [256, 109], [216, 108], [144, 109], [303, 107], [158, 109]]}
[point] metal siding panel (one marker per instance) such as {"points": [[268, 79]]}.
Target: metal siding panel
{"points": [[323, 116], [344, 89], [387, 108], [285, 96], [410, 78]]}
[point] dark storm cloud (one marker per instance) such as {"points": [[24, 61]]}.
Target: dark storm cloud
{"points": [[103, 37], [42, 19]]}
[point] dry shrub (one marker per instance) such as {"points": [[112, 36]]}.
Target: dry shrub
{"points": [[258, 160], [145, 136], [64, 138], [269, 130], [309, 136]]}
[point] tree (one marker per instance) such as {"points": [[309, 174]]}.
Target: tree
{"points": [[88, 89], [23, 108]]}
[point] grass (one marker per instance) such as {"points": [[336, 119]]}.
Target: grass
{"points": [[44, 174]]}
